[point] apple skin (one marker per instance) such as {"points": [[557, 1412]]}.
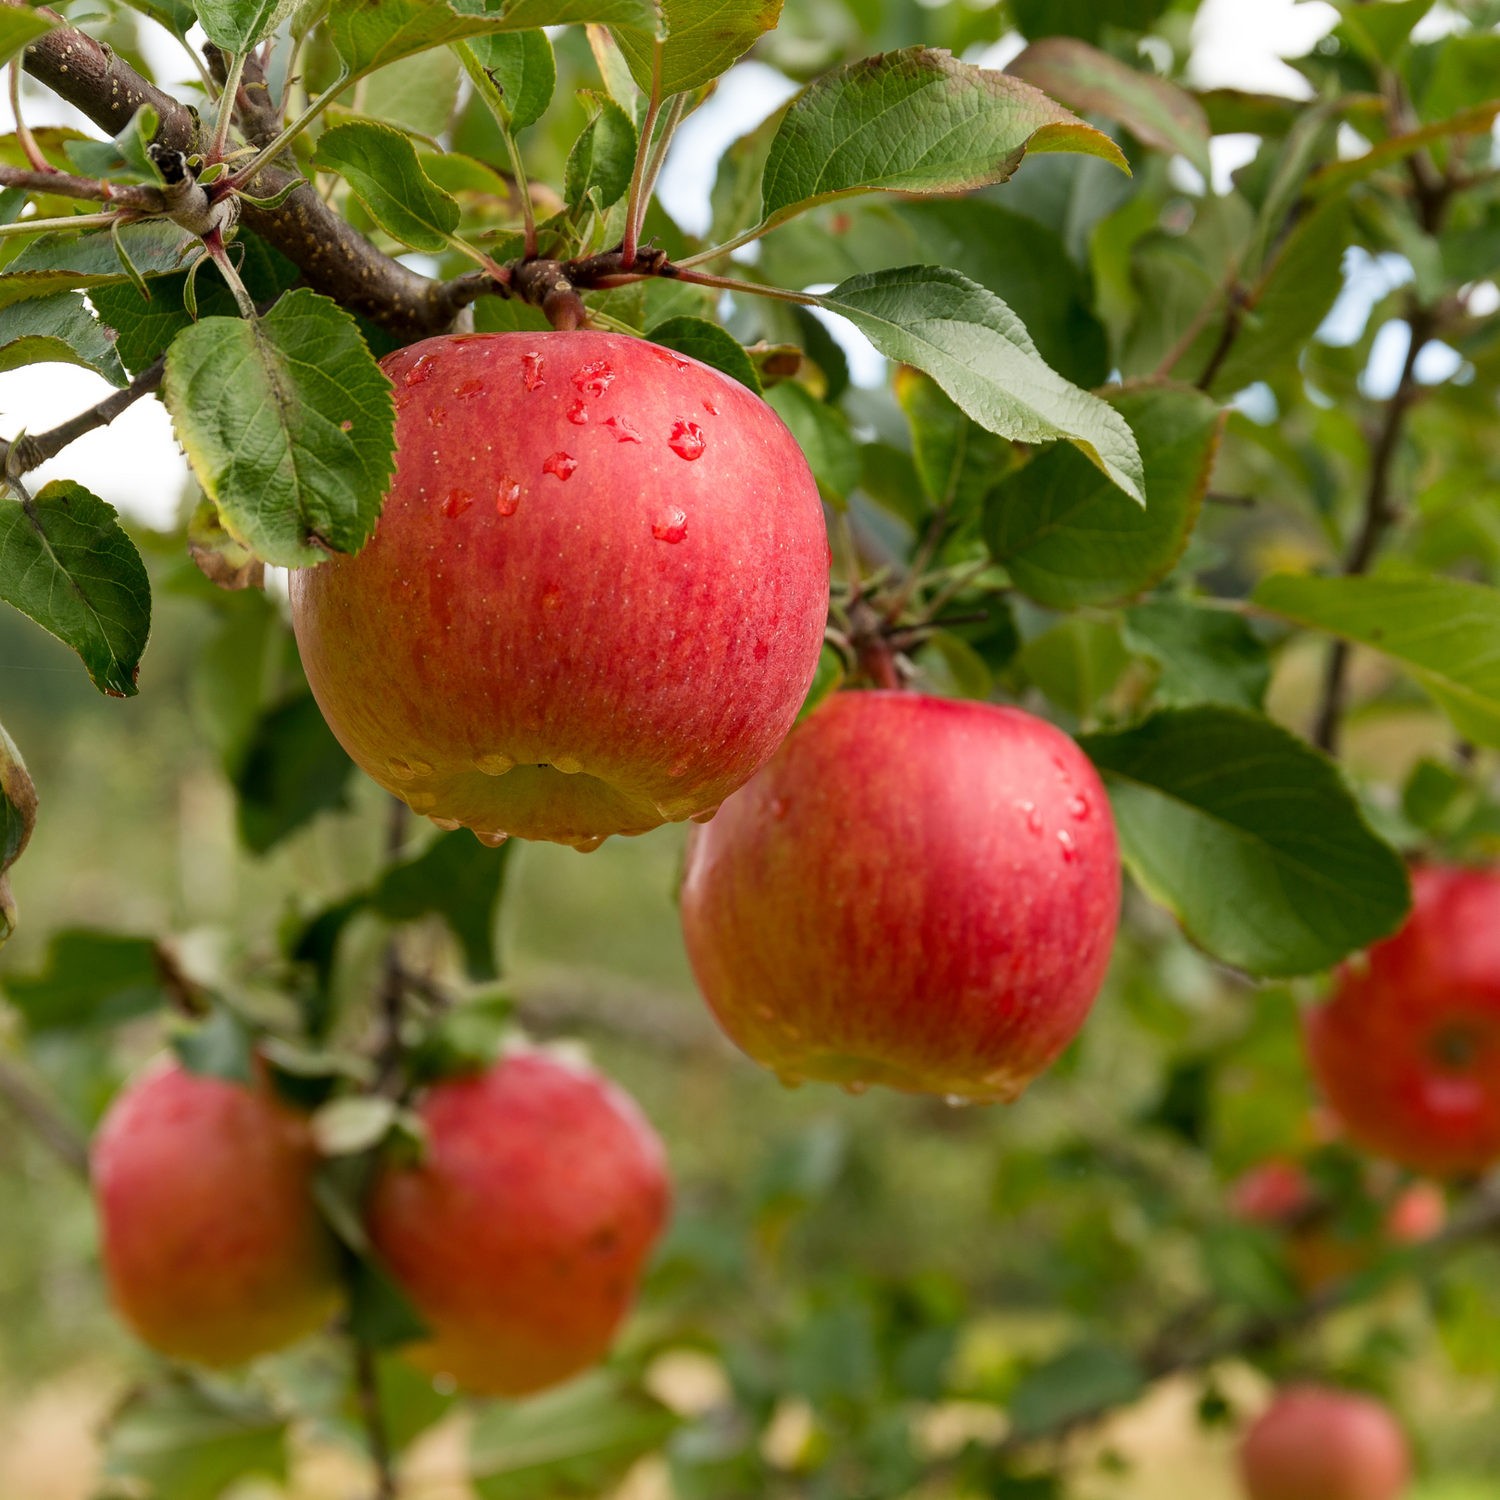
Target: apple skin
{"points": [[1315, 1443], [633, 634], [1407, 1047], [916, 891], [211, 1244], [521, 1235]]}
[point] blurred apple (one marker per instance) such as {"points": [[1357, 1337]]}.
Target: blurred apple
{"points": [[1316, 1443]]}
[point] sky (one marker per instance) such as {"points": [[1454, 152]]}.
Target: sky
{"points": [[135, 464]]}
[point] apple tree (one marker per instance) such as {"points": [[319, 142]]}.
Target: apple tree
{"points": [[1142, 618]]}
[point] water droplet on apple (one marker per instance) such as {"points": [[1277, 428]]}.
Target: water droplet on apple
{"points": [[446, 824], [707, 815], [667, 357], [957, 1101], [569, 765], [672, 527], [1033, 817], [788, 1080], [421, 801], [531, 371], [856, 1086], [421, 369], [679, 767], [765, 1012], [507, 496], [455, 503], [687, 440], [1069, 848], [587, 846], [438, 415], [1079, 807], [552, 597], [623, 431], [469, 389], [491, 840], [561, 464], [710, 408], [594, 379], [778, 808], [494, 764], [578, 413], [403, 770]]}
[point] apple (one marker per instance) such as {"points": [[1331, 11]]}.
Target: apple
{"points": [[1407, 1047], [595, 598], [1277, 1192], [1316, 1443], [520, 1235], [916, 891], [212, 1247]]}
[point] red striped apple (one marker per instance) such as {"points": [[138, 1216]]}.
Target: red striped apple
{"points": [[520, 1236], [211, 1244], [1314, 1443], [1407, 1047], [916, 891], [595, 598]]}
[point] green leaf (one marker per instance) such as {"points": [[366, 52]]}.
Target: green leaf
{"points": [[237, 25], [1250, 837], [1069, 537], [971, 343], [1085, 18], [1075, 664], [823, 435], [460, 879], [518, 68], [186, 1437], [66, 261], [1379, 32], [380, 1315], [1339, 176], [913, 121], [418, 92], [289, 424], [600, 163], [176, 15], [124, 159], [703, 38], [699, 339], [1205, 655], [220, 1047], [576, 1440], [1154, 110], [59, 328], [19, 27], [1086, 1379], [17, 819], [889, 477], [89, 979], [1291, 301], [380, 165], [1465, 75], [291, 769], [1445, 633], [66, 563], [367, 34], [956, 460]]}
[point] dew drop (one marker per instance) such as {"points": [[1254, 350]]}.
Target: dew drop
{"points": [[446, 824], [855, 1086], [587, 846], [672, 527], [552, 597], [438, 415], [400, 768], [957, 1101], [469, 389], [569, 765], [1069, 848], [421, 801], [623, 431], [1079, 807], [667, 357], [765, 1012], [710, 408], [1033, 817], [707, 815], [507, 496], [578, 413], [531, 371], [455, 503], [788, 1080], [491, 840], [421, 370], [680, 766], [687, 440], [778, 808], [494, 764], [594, 379], [561, 464]]}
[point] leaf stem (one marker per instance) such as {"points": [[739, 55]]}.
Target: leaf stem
{"points": [[729, 284], [658, 160], [523, 187], [633, 210], [214, 243], [23, 134], [273, 148], [226, 107], [69, 221], [717, 252], [367, 1386]]}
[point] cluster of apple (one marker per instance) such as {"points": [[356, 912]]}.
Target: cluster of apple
{"points": [[594, 604]]}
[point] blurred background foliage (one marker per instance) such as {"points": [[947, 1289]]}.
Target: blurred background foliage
{"points": [[864, 1297]]}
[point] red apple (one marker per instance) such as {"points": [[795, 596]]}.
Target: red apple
{"points": [[595, 598], [1276, 1192], [1407, 1048], [211, 1244], [920, 892], [1419, 1213], [520, 1236], [1315, 1443]]}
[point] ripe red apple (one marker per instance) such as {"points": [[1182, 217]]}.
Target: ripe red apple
{"points": [[916, 891], [211, 1244], [1276, 1192], [1407, 1048], [594, 601], [1315, 1443], [520, 1236]]}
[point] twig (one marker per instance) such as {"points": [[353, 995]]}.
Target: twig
{"points": [[1200, 320], [23, 133], [393, 983], [1378, 515], [51, 1128], [63, 185], [227, 101], [368, 1387], [34, 449]]}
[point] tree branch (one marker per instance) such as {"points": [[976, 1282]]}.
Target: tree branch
{"points": [[56, 1132], [121, 194], [34, 449]]}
